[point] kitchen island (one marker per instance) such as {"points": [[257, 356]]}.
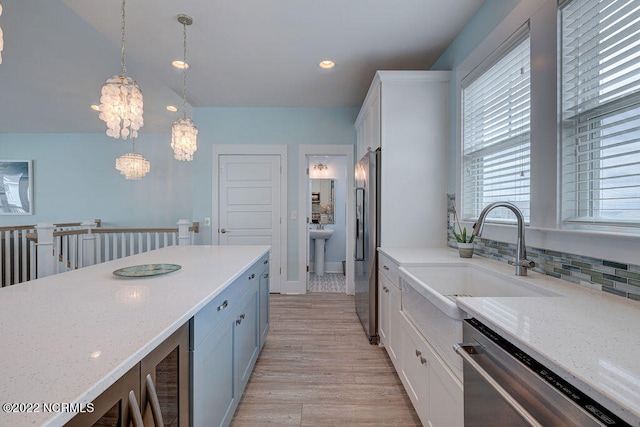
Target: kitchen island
{"points": [[588, 337], [67, 338]]}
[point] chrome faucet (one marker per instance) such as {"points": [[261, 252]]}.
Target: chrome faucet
{"points": [[319, 226], [521, 262]]}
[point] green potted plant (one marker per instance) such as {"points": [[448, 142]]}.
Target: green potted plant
{"points": [[465, 243]]}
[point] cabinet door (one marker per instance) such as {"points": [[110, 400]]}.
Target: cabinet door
{"points": [[374, 121], [393, 330], [168, 369], [415, 368], [383, 310], [447, 397], [213, 389], [246, 336], [111, 408], [264, 305]]}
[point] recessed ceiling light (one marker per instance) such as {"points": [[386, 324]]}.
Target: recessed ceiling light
{"points": [[171, 108], [327, 64], [180, 64], [95, 107]]}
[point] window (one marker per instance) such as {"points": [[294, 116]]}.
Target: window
{"points": [[600, 81], [495, 131]]}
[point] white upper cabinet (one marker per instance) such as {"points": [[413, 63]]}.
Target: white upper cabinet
{"points": [[406, 115]]}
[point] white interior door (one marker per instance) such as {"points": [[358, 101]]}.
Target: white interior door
{"points": [[249, 205]]}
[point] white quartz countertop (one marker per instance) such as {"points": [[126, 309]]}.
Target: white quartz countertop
{"points": [[588, 337], [66, 338]]}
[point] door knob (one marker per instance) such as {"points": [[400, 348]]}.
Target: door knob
{"points": [[223, 231]]}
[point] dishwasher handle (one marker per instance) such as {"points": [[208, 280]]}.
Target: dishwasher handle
{"points": [[465, 350]]}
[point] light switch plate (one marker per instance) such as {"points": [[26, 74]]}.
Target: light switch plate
{"points": [[294, 214], [207, 222]]}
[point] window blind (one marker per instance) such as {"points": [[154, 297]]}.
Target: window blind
{"points": [[495, 134], [600, 81]]}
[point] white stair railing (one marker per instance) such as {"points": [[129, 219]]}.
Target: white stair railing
{"points": [[47, 249], [16, 263]]}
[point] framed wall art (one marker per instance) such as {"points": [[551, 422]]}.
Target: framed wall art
{"points": [[16, 187]]}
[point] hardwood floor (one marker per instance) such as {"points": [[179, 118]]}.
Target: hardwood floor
{"points": [[318, 369]]}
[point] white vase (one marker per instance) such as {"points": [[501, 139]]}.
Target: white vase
{"points": [[465, 250]]}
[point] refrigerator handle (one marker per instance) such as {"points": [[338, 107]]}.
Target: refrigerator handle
{"points": [[359, 251]]}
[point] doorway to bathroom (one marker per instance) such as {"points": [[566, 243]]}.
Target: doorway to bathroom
{"points": [[326, 187]]}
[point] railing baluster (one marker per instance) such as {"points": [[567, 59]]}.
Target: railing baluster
{"points": [[123, 252], [6, 261], [33, 271], [73, 250], [24, 258]]}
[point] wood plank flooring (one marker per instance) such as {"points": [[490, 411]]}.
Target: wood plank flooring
{"points": [[318, 369]]}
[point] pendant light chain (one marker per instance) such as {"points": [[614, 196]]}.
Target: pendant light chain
{"points": [[184, 71], [122, 41], [183, 132]]}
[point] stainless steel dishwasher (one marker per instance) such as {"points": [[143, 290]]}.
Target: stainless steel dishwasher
{"points": [[503, 386]]}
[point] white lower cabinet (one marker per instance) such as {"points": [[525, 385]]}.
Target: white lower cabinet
{"points": [[436, 394], [389, 308], [414, 371]]}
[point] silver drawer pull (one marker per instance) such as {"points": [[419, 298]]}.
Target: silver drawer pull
{"points": [[253, 276], [423, 360], [266, 275], [385, 267], [266, 261], [223, 305], [418, 352], [239, 321], [465, 350]]}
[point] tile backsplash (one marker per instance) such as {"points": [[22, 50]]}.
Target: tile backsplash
{"points": [[605, 275]]}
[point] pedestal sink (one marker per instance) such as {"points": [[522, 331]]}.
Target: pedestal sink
{"points": [[320, 235]]}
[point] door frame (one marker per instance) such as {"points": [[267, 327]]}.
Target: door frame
{"points": [[252, 150], [305, 150]]}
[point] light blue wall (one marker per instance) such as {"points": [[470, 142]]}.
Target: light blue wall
{"points": [[490, 14], [280, 126], [74, 179]]}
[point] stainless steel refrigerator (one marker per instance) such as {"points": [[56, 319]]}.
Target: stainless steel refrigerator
{"points": [[367, 234]]}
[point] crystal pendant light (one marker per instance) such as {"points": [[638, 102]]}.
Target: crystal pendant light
{"points": [[183, 132], [133, 165], [121, 100]]}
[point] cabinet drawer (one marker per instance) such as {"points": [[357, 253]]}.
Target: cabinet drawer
{"points": [[389, 268], [214, 312]]}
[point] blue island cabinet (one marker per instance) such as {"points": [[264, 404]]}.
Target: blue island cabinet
{"points": [[226, 338]]}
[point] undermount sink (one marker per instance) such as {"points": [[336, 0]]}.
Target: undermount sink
{"points": [[320, 233], [443, 284]]}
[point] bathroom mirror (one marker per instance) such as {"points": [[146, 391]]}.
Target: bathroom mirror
{"points": [[322, 201]]}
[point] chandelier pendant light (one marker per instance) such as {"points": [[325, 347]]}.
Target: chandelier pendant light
{"points": [[183, 132], [133, 165], [121, 100]]}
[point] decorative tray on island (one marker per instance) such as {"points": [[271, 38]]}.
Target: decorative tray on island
{"points": [[146, 270]]}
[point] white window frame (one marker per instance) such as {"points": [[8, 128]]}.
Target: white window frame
{"points": [[471, 203], [544, 230], [584, 200]]}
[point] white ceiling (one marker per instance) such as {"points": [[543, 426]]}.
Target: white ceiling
{"points": [[243, 53]]}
